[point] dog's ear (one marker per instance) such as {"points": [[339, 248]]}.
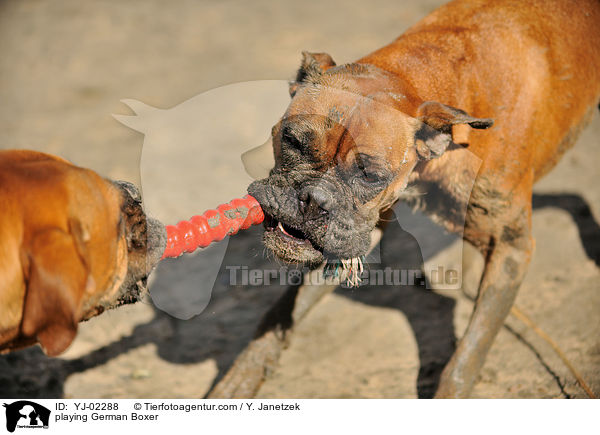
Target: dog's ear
{"points": [[311, 68], [442, 125], [56, 282], [443, 117]]}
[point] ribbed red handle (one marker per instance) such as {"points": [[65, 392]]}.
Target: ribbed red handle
{"points": [[212, 226]]}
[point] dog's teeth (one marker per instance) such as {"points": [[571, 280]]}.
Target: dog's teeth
{"points": [[280, 225]]}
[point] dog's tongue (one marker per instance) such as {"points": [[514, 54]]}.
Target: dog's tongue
{"points": [[212, 226]]}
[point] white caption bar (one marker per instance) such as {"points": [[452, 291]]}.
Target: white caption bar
{"points": [[296, 416]]}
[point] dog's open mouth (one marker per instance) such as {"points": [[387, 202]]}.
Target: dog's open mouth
{"points": [[284, 230], [294, 245], [289, 243]]}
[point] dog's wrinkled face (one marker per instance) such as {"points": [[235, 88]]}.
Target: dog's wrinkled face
{"points": [[141, 242], [344, 151]]}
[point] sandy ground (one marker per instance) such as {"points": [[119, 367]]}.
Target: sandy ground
{"points": [[65, 66]]}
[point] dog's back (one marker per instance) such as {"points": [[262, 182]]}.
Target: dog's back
{"points": [[535, 66]]}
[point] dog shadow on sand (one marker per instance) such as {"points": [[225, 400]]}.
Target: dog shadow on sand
{"points": [[228, 323]]}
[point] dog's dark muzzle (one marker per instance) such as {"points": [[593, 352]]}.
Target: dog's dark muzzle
{"points": [[309, 220]]}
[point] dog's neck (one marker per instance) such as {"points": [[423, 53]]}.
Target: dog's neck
{"points": [[442, 187]]}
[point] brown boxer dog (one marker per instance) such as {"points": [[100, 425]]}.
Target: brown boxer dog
{"points": [[511, 82], [72, 244]]}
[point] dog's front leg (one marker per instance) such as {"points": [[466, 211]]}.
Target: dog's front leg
{"points": [[505, 268]]}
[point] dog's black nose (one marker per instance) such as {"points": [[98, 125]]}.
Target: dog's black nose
{"points": [[315, 201]]}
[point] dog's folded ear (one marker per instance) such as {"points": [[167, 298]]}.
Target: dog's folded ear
{"points": [[312, 67], [443, 117], [443, 125], [57, 277]]}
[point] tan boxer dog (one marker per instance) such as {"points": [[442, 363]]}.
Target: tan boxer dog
{"points": [[72, 244], [512, 82]]}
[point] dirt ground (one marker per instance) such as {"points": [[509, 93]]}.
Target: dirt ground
{"points": [[64, 68]]}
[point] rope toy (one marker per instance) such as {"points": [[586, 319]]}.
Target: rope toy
{"points": [[212, 226]]}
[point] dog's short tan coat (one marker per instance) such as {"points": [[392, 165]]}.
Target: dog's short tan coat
{"points": [[71, 245]]}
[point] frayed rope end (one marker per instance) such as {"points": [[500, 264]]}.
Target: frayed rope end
{"points": [[349, 269]]}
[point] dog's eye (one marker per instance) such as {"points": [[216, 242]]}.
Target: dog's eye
{"points": [[369, 172], [298, 139], [368, 175], [371, 177], [291, 139], [120, 226]]}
